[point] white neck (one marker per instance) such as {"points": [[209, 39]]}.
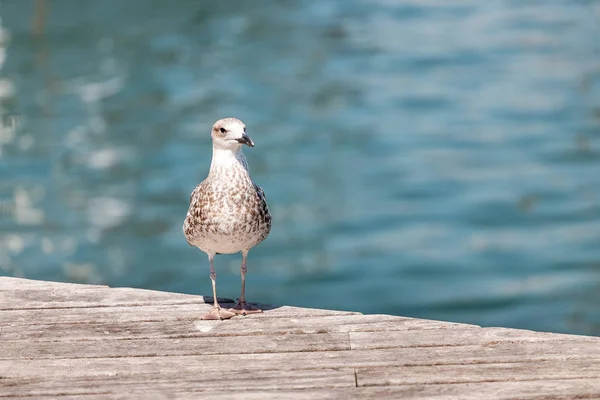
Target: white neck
{"points": [[228, 158]]}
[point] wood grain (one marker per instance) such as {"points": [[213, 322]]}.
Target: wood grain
{"points": [[95, 342]]}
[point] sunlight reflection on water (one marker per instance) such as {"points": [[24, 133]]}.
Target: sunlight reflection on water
{"points": [[421, 158]]}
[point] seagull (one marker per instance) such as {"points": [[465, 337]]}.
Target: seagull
{"points": [[228, 212]]}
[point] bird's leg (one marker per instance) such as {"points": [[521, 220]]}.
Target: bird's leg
{"points": [[216, 312], [240, 306]]}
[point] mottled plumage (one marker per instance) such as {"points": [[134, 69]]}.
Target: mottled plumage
{"points": [[228, 212]]}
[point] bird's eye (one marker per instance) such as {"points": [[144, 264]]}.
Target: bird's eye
{"points": [[222, 130]]}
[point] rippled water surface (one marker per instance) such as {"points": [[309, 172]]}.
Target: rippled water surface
{"points": [[424, 158]]}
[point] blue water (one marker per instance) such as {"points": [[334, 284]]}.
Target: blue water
{"points": [[425, 158]]}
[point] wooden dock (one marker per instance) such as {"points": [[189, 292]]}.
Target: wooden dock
{"points": [[95, 342]]}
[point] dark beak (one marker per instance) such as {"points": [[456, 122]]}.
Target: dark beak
{"points": [[245, 139]]}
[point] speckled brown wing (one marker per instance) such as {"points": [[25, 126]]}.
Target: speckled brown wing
{"points": [[195, 220], [265, 216]]}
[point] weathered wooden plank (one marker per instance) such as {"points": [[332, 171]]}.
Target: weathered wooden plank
{"points": [[174, 346], [241, 379], [8, 283], [438, 374], [96, 342], [172, 312], [533, 390], [455, 337], [71, 296], [499, 353], [116, 323], [169, 312], [24, 295], [527, 390]]}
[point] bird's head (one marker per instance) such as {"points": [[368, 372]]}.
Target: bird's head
{"points": [[230, 134]]}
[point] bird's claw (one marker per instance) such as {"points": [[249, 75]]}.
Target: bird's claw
{"points": [[243, 308]]}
